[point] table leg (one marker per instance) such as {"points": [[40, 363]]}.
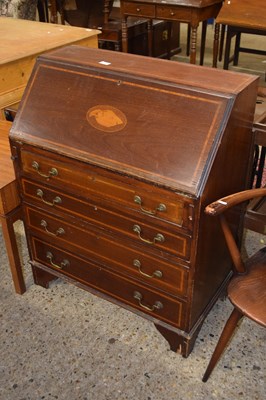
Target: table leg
{"points": [[237, 46], [215, 45], [169, 37], [203, 41], [124, 35], [229, 37], [150, 39], [188, 39], [54, 18], [193, 44], [9, 235], [221, 46]]}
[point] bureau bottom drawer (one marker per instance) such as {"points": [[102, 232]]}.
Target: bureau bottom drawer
{"points": [[63, 263]]}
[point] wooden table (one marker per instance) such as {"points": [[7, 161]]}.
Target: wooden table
{"points": [[18, 56], [10, 210], [188, 11], [240, 16]]}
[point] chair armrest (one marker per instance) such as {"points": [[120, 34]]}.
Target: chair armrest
{"points": [[223, 204]]}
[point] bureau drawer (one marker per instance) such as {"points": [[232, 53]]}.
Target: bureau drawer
{"points": [[151, 239], [118, 254], [143, 10], [176, 14], [108, 218], [85, 180], [125, 290]]}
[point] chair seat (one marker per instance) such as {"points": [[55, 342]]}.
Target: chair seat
{"points": [[247, 292]]}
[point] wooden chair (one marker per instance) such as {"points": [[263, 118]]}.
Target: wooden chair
{"points": [[247, 288]]}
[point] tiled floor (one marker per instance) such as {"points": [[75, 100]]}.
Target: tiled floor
{"points": [[64, 343]]}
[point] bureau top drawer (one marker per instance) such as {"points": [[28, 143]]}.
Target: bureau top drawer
{"points": [[90, 181]]}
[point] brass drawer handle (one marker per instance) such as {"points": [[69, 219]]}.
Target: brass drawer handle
{"points": [[158, 238], [60, 231], [138, 9], [172, 13], [156, 306], [52, 172], [155, 274], [56, 200], [161, 207], [63, 264]]}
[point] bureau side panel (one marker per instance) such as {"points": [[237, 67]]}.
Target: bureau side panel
{"points": [[230, 173]]}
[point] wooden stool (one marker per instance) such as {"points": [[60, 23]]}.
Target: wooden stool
{"points": [[10, 209]]}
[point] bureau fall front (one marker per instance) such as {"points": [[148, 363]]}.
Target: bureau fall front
{"points": [[116, 157]]}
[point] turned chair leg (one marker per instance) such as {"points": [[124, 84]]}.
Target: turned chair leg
{"points": [[226, 335]]}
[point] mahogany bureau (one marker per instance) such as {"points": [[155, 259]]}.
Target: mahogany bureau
{"points": [[116, 156]]}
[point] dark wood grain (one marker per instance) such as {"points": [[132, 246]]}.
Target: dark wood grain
{"points": [[179, 128]]}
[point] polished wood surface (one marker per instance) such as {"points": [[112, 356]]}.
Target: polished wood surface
{"points": [[240, 16], [16, 62], [120, 153], [248, 13], [114, 175], [10, 210], [190, 11], [246, 290]]}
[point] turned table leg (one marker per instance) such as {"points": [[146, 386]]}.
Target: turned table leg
{"points": [[193, 44], [215, 45], [124, 35], [150, 39]]}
